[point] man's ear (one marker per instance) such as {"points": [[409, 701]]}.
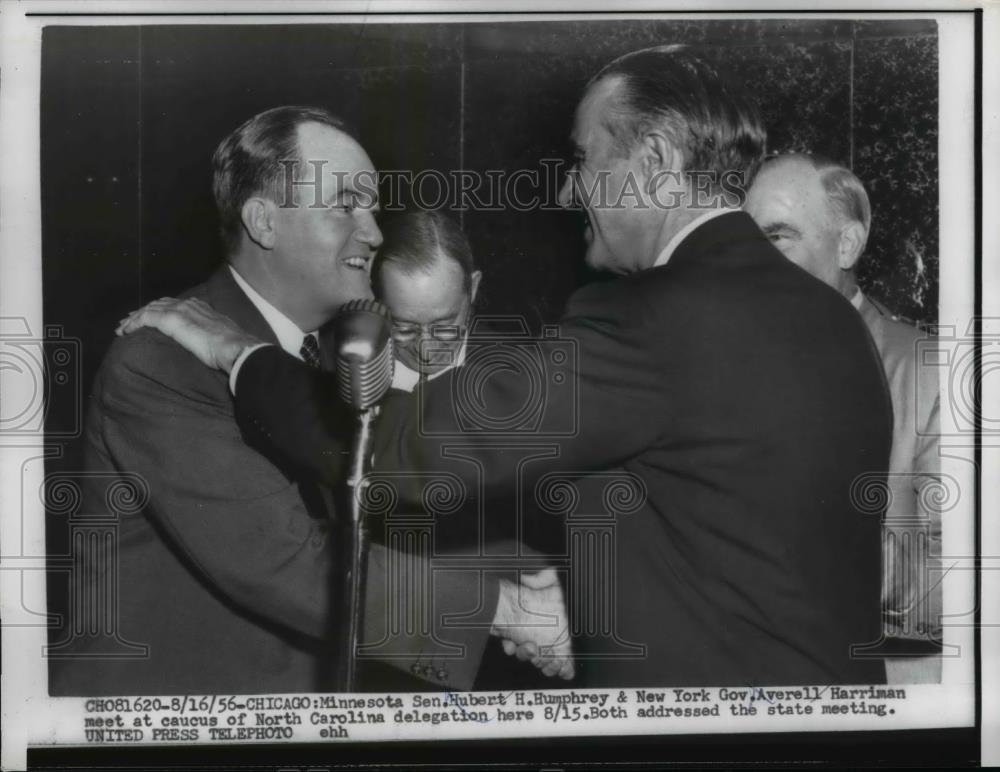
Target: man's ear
{"points": [[851, 245], [258, 216], [661, 160], [474, 279]]}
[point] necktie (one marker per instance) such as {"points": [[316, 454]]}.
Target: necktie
{"points": [[318, 498], [310, 351]]}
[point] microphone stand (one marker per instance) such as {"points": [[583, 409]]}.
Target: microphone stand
{"points": [[358, 545]]}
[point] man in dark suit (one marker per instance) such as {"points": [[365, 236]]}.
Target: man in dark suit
{"points": [[227, 574], [818, 214], [744, 395]]}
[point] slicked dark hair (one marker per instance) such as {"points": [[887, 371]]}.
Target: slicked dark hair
{"points": [[416, 241], [247, 163], [671, 89]]}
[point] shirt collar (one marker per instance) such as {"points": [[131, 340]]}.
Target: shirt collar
{"points": [[686, 231], [858, 299], [406, 378], [285, 330]]}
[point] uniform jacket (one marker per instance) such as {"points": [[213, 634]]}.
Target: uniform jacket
{"points": [[911, 590]]}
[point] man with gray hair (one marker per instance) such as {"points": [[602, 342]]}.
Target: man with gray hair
{"points": [[818, 214]]}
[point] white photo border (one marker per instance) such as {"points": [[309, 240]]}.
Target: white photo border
{"points": [[32, 718]]}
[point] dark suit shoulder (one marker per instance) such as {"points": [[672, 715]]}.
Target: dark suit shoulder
{"points": [[151, 353], [729, 275], [618, 301], [148, 360]]}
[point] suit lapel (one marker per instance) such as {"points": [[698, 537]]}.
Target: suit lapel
{"points": [[225, 296]]}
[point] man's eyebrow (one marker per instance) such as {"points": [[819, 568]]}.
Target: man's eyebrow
{"points": [[774, 227], [349, 191], [438, 320]]}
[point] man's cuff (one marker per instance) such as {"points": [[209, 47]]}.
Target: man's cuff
{"points": [[234, 373]]}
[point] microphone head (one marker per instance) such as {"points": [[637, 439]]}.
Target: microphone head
{"points": [[363, 335]]}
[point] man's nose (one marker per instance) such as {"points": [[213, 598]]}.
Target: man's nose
{"points": [[368, 232], [567, 193]]}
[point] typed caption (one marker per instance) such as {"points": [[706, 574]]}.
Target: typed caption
{"points": [[319, 717]]}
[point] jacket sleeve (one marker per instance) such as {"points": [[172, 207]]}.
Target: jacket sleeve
{"points": [[589, 391], [233, 514]]}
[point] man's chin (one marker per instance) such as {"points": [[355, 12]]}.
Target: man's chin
{"points": [[602, 260], [354, 293], [408, 361], [440, 364], [595, 259], [358, 285]]}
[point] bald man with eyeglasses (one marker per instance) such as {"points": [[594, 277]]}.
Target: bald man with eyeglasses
{"points": [[426, 274], [427, 277]]}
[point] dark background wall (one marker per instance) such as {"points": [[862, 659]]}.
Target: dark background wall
{"points": [[130, 117]]}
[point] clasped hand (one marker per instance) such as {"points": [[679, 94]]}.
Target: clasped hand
{"points": [[531, 620]]}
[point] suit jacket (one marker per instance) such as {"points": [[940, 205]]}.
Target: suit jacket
{"points": [[911, 590], [748, 398], [227, 573]]}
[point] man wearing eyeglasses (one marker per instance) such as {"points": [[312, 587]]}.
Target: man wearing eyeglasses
{"points": [[427, 277]]}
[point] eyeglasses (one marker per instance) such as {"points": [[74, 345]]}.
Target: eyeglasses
{"points": [[444, 333]]}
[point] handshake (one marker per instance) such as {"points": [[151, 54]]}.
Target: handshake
{"points": [[531, 620]]}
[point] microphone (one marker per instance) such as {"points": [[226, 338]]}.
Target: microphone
{"points": [[363, 334], [364, 356]]}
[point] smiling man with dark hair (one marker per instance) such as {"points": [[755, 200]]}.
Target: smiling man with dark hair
{"points": [[229, 573]]}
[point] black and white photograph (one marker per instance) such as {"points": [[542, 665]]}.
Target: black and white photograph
{"points": [[479, 374]]}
